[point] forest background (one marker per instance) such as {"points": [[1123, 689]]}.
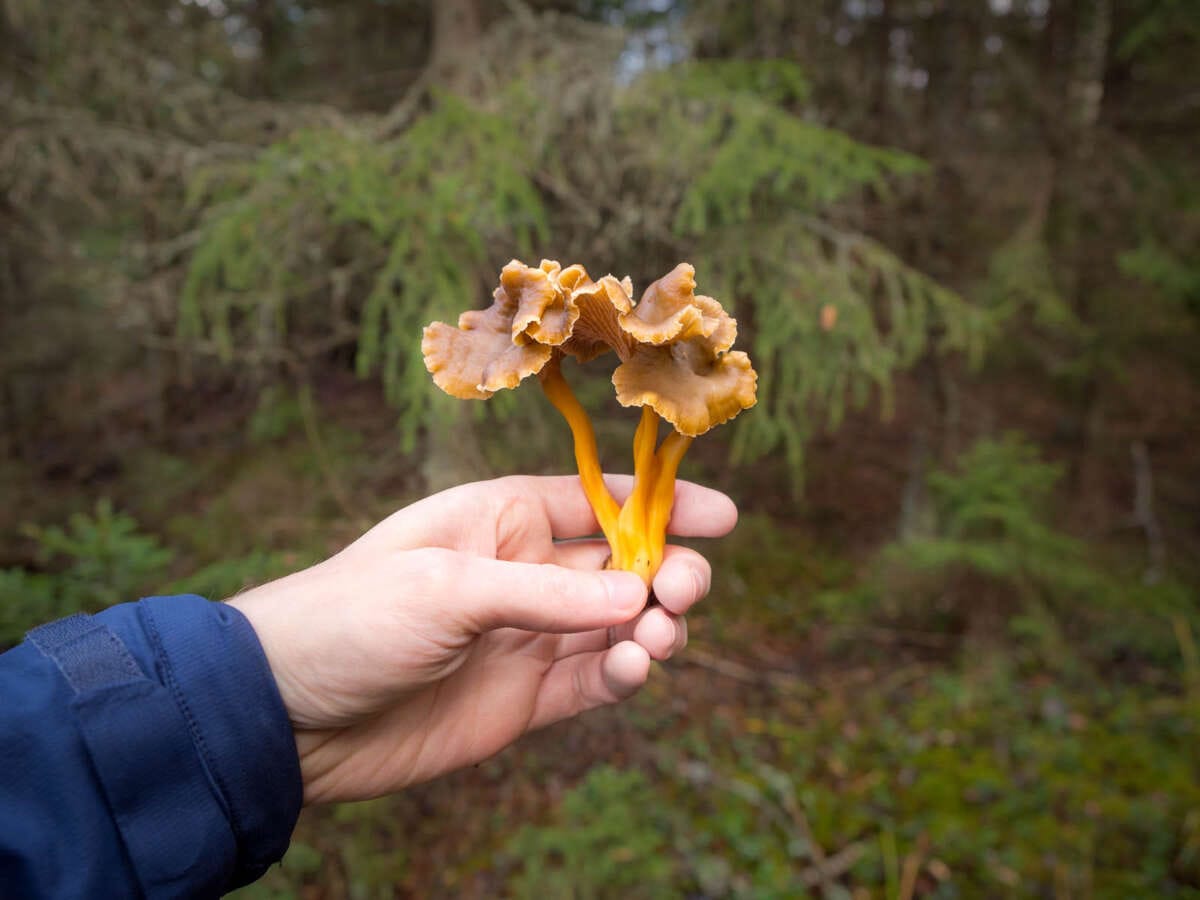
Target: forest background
{"points": [[951, 650]]}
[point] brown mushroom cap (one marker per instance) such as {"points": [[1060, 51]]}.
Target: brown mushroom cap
{"points": [[674, 345], [479, 357], [532, 312], [566, 279], [544, 311], [670, 310], [681, 365], [687, 383]]}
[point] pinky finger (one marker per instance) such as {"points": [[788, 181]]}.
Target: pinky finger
{"points": [[584, 681]]}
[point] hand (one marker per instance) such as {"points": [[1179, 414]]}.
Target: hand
{"points": [[458, 624]]}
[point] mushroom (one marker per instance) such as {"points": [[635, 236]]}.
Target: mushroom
{"points": [[675, 363], [681, 369]]}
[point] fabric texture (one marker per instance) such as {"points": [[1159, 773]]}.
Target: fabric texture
{"points": [[144, 751]]}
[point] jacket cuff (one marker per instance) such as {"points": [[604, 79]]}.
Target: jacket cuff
{"points": [[210, 659]]}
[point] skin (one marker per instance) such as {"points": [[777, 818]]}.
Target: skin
{"points": [[464, 621]]}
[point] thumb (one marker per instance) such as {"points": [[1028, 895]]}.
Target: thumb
{"points": [[492, 593]]}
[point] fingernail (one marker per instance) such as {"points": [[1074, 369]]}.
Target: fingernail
{"points": [[625, 589]]}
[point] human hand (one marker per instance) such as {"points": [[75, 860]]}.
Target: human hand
{"points": [[458, 624]]}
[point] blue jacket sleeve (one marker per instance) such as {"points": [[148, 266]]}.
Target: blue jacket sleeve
{"points": [[144, 751]]}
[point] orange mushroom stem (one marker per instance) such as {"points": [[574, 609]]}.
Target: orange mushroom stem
{"points": [[642, 526], [587, 460], [636, 531]]}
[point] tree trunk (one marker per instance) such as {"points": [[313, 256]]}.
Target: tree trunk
{"points": [[1084, 32], [882, 88], [457, 31], [452, 450], [266, 20]]}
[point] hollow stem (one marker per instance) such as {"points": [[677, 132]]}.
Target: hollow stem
{"points": [[667, 460], [631, 551], [587, 460], [637, 531]]}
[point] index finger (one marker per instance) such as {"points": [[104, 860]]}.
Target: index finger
{"points": [[698, 511]]}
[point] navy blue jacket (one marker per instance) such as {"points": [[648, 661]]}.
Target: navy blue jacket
{"points": [[144, 751]]}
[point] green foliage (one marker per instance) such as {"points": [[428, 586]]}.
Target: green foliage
{"points": [[418, 213], [745, 834], [26, 600], [93, 561], [373, 871], [993, 550], [992, 515], [1178, 279], [606, 840], [1012, 783], [105, 554], [753, 81], [887, 317], [758, 182], [764, 574], [370, 853], [101, 558], [278, 412], [989, 783], [745, 156], [225, 577], [1158, 22], [995, 565], [1020, 282]]}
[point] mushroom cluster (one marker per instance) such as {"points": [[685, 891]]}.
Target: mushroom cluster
{"points": [[676, 363]]}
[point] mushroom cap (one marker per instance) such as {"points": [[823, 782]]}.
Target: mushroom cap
{"points": [[532, 312], [479, 357], [674, 344], [544, 311], [687, 385], [670, 310], [681, 364]]}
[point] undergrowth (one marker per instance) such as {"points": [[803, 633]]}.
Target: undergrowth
{"points": [[975, 782]]}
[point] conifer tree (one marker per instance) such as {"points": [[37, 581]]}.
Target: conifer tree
{"points": [[559, 151]]}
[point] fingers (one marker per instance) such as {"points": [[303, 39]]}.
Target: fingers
{"points": [[683, 579], [660, 633], [698, 511], [587, 680], [485, 594], [682, 582]]}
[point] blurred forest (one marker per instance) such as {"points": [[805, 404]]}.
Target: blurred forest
{"points": [[951, 650]]}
